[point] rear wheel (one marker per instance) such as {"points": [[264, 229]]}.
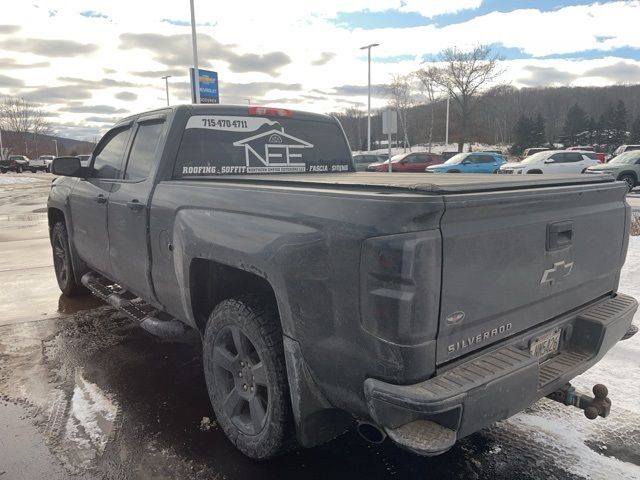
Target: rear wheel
{"points": [[629, 179], [246, 375], [62, 261]]}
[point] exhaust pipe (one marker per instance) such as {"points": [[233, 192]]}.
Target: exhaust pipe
{"points": [[371, 433]]}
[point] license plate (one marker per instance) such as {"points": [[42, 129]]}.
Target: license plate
{"points": [[545, 344]]}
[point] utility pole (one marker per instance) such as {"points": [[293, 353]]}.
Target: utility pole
{"points": [[196, 72], [1, 147], [56, 143], [369, 47], [166, 84]]}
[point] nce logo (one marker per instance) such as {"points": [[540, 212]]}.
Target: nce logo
{"points": [[274, 149]]}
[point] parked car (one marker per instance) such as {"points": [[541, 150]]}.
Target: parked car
{"points": [[448, 155], [407, 162], [625, 167], [530, 151], [362, 160], [551, 161], [321, 298], [47, 159], [600, 156], [14, 163], [473, 162], [622, 149]]}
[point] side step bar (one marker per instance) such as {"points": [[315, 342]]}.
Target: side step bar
{"points": [[151, 319]]}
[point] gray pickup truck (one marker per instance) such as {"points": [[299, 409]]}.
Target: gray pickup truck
{"points": [[423, 308]]}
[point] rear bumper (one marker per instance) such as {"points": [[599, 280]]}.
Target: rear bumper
{"points": [[475, 392]]}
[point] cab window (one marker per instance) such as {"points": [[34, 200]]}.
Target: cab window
{"points": [[107, 162]]}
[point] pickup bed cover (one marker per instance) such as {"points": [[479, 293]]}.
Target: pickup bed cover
{"points": [[423, 182]]}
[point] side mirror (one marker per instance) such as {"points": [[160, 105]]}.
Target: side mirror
{"points": [[466, 162], [549, 160], [67, 166]]}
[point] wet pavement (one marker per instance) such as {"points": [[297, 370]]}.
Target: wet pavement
{"points": [[85, 393]]}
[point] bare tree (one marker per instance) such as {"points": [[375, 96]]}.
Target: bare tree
{"points": [[356, 115], [400, 89], [25, 119], [464, 75], [433, 91]]}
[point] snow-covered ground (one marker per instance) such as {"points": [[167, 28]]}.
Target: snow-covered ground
{"points": [[16, 180], [603, 448]]}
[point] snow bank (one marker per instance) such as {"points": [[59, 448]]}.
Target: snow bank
{"points": [[16, 180]]}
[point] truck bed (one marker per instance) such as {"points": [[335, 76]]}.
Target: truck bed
{"points": [[423, 182]]}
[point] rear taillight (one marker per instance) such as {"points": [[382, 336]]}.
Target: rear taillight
{"points": [[270, 112]]}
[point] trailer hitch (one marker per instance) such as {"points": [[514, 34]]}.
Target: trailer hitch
{"points": [[598, 405]]}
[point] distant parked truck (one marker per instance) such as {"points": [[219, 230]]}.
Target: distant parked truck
{"points": [[15, 163], [47, 159]]}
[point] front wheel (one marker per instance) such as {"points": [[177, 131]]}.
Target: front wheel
{"points": [[62, 261], [630, 181], [246, 376]]}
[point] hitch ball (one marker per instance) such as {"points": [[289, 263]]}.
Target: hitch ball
{"points": [[598, 406]]}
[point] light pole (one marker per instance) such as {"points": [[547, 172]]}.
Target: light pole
{"points": [[196, 72], [1, 147], [166, 85], [56, 142], [446, 130], [369, 47]]}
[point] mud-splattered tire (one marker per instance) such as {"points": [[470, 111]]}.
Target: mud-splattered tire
{"points": [[62, 262], [246, 375]]}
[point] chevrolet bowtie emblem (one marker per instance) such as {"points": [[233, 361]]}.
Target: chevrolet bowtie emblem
{"points": [[558, 271]]}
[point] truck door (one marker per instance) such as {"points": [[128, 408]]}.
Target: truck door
{"points": [[129, 205], [89, 199]]}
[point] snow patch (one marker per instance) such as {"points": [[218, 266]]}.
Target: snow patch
{"points": [[15, 180]]}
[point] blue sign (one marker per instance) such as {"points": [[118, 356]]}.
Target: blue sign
{"points": [[208, 86]]}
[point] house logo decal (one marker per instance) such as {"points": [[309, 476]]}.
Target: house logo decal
{"points": [[274, 149]]}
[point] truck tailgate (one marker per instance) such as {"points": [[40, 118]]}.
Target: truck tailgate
{"points": [[514, 259]]}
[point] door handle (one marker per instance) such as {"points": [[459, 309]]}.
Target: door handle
{"points": [[135, 205], [100, 199]]}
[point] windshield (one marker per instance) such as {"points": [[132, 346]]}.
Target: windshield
{"points": [[456, 159], [536, 157], [626, 158]]}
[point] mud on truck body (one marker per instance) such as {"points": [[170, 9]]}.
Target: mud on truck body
{"points": [[422, 307]]}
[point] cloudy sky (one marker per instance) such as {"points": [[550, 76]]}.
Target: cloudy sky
{"points": [[89, 62]]}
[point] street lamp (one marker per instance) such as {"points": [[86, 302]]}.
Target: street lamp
{"points": [[369, 47], [166, 84], [56, 142], [196, 72]]}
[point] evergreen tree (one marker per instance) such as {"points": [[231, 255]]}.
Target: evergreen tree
{"points": [[575, 123], [619, 124], [539, 136], [523, 134], [634, 138]]}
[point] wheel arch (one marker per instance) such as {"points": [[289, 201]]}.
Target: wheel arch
{"points": [[211, 282], [628, 172]]}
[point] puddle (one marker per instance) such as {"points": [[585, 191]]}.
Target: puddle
{"points": [[71, 305]]}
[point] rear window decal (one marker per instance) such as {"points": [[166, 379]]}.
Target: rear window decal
{"points": [[229, 124], [274, 148]]}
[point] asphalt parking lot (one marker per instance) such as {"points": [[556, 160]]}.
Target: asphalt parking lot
{"points": [[85, 393]]}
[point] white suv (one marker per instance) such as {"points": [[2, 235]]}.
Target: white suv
{"points": [[552, 161]]}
